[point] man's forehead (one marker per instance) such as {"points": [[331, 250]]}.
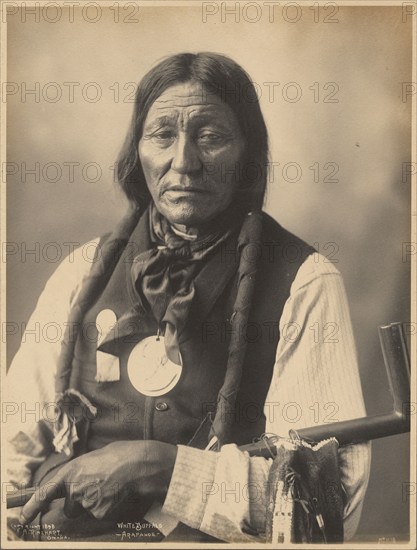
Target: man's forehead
{"points": [[192, 95]]}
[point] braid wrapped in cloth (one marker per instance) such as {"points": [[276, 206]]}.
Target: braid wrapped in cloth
{"points": [[249, 237], [66, 398], [305, 499]]}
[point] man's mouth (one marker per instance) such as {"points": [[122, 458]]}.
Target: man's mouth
{"points": [[177, 190]]}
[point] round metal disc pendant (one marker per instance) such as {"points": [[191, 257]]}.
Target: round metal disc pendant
{"points": [[149, 369]]}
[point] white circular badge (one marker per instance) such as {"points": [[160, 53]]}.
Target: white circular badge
{"points": [[149, 369]]}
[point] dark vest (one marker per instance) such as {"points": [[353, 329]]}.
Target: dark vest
{"points": [[181, 416]]}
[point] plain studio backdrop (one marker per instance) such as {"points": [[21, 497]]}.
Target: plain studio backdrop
{"points": [[333, 89]]}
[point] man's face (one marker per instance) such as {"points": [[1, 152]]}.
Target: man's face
{"points": [[190, 149]]}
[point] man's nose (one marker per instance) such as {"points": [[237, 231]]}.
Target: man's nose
{"points": [[186, 158]]}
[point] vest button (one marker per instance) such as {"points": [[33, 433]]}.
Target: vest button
{"points": [[161, 406]]}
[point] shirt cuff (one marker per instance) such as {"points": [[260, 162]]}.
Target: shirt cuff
{"points": [[191, 483]]}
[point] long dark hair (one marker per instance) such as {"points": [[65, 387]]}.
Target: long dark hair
{"points": [[217, 74]]}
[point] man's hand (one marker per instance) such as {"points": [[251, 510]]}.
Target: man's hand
{"points": [[98, 480]]}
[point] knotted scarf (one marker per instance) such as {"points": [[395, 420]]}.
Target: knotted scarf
{"points": [[163, 277]]}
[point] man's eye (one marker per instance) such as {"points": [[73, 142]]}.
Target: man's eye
{"points": [[211, 138], [164, 136]]}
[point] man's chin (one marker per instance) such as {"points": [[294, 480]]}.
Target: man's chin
{"points": [[181, 215]]}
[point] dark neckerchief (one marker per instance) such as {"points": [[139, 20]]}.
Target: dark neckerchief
{"points": [[163, 277]]}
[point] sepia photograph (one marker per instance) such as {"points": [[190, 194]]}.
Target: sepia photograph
{"points": [[208, 274]]}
